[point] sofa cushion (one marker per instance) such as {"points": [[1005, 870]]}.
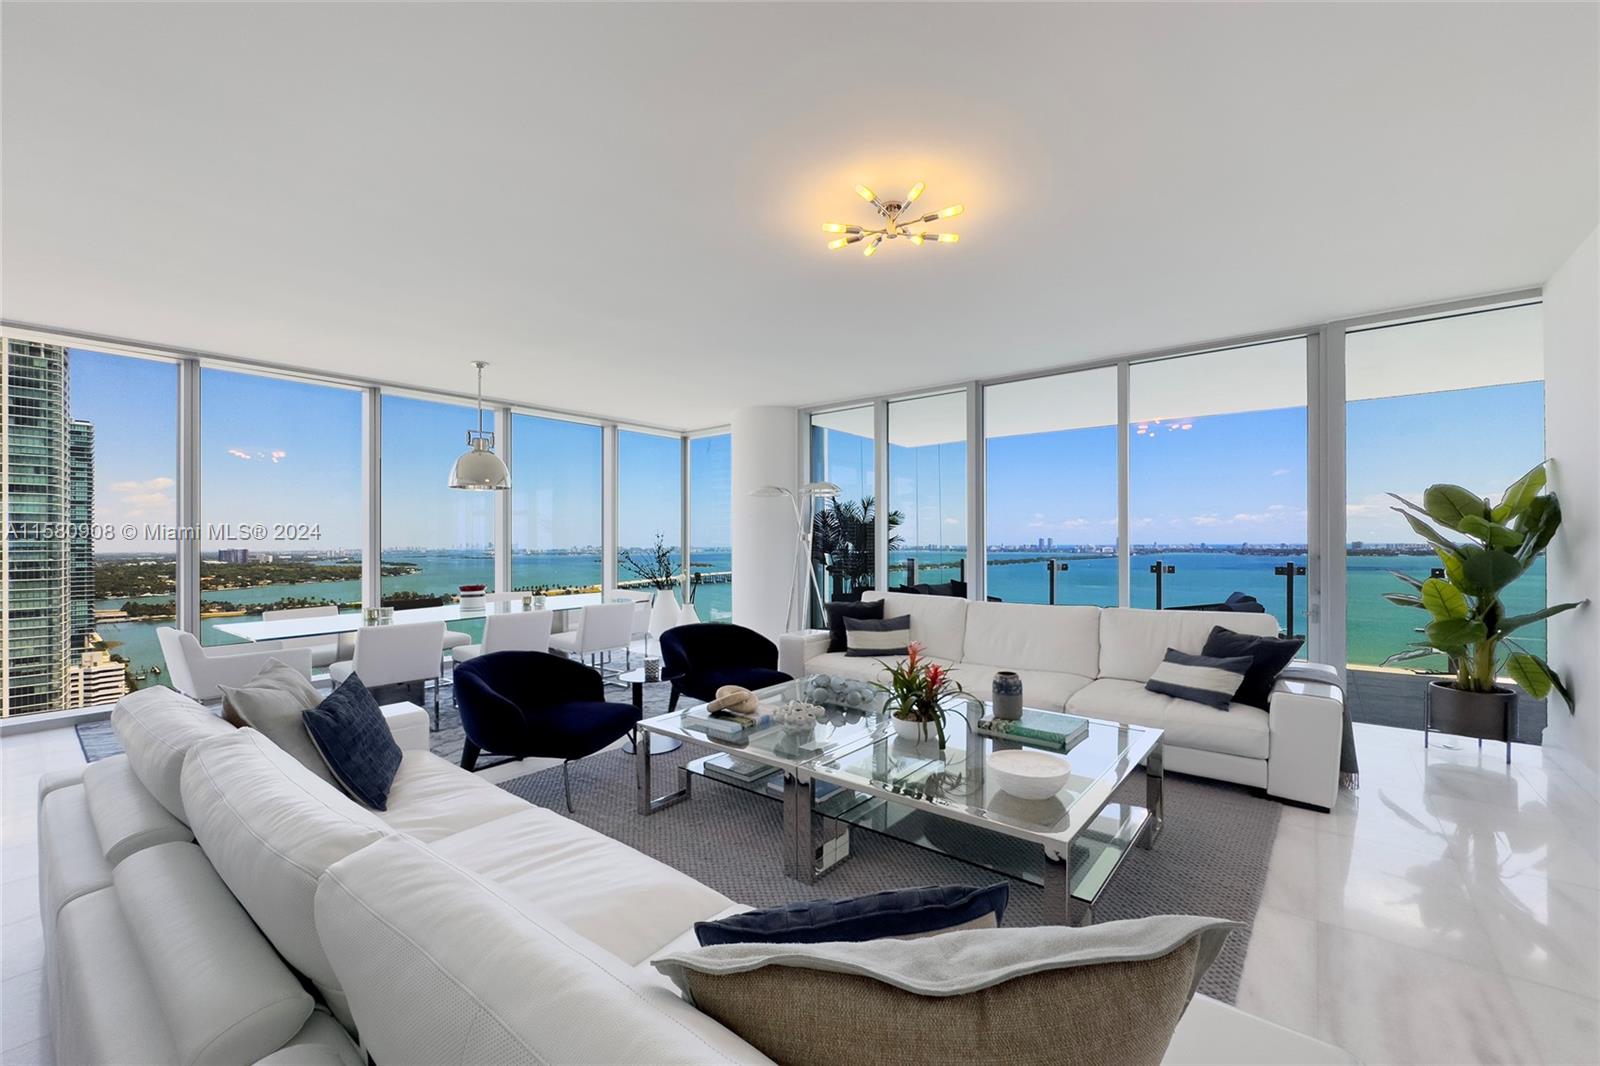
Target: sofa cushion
{"points": [[1027, 636], [225, 994], [900, 912], [1045, 689], [858, 668], [157, 726], [274, 702], [556, 863], [103, 1004], [126, 816], [1134, 641], [444, 966], [270, 827], [71, 860], [979, 996], [938, 623], [1241, 731], [432, 798], [322, 1041]]}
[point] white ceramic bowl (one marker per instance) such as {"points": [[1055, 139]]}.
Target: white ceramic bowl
{"points": [[1028, 774]]}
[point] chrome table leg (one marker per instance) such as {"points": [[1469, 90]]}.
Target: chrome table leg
{"points": [[647, 803], [1153, 779]]}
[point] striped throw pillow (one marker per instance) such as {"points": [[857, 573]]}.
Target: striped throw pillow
{"points": [[1200, 678], [877, 637]]}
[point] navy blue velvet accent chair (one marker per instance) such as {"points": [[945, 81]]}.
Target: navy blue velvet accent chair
{"points": [[529, 703], [699, 659]]}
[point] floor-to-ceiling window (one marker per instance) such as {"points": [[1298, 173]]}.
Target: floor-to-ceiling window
{"points": [[91, 505], [1051, 489], [1457, 399], [649, 509], [843, 452], [1217, 479], [710, 526], [928, 490], [282, 515], [435, 538], [556, 487]]}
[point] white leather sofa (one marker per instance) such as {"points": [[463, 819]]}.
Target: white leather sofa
{"points": [[207, 899], [1095, 661]]}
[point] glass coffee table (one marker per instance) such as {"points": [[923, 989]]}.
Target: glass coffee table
{"points": [[853, 770]]}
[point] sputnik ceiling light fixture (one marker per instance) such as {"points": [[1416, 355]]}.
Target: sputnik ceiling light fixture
{"points": [[895, 223]]}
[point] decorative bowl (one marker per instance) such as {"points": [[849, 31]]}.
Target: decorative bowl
{"points": [[1028, 774]]}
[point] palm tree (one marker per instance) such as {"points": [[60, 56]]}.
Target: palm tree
{"points": [[842, 542]]}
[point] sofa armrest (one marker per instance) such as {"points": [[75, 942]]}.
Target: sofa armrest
{"points": [[800, 647], [1306, 726], [238, 664], [409, 725]]}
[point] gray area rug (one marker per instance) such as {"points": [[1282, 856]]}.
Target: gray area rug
{"points": [[1211, 858]]}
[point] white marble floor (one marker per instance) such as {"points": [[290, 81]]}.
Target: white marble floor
{"points": [[1448, 912]]}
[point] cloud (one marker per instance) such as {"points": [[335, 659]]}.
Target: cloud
{"points": [[277, 455], [237, 454], [154, 484], [1281, 471]]}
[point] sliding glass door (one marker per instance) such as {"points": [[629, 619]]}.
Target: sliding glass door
{"points": [[928, 493]]}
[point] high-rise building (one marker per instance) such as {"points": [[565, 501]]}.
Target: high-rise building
{"points": [[47, 558], [233, 555], [95, 679], [80, 547]]}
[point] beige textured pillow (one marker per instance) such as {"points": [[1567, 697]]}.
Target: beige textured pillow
{"points": [[1110, 993], [272, 703]]}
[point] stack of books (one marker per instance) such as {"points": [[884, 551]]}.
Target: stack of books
{"points": [[1037, 729], [726, 725], [737, 771]]}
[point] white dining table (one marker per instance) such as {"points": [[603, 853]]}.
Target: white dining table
{"points": [[332, 624]]}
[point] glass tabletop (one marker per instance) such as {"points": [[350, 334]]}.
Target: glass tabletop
{"points": [[959, 784], [852, 715]]}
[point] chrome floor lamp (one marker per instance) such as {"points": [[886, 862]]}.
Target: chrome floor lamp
{"points": [[811, 490]]}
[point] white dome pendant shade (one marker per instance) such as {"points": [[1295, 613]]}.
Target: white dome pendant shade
{"points": [[479, 469]]}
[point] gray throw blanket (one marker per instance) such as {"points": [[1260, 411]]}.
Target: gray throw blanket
{"points": [[1349, 770]]}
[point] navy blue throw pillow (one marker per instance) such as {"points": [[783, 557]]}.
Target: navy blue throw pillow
{"points": [[838, 611], [1269, 655], [898, 913], [353, 738]]}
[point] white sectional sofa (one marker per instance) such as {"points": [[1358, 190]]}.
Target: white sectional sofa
{"points": [[1095, 661], [207, 899]]}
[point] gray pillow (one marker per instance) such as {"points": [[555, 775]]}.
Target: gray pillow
{"points": [[959, 996], [1201, 679], [274, 703]]}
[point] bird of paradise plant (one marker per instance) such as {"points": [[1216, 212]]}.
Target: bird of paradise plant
{"points": [[917, 688]]}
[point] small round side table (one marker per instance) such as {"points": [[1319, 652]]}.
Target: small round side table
{"points": [[658, 743]]}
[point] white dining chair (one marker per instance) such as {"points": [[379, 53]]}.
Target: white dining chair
{"points": [[196, 671], [513, 631], [410, 654], [641, 618], [324, 650], [602, 627]]}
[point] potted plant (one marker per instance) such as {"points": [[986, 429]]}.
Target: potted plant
{"points": [[917, 688], [657, 569], [1468, 624], [842, 543]]}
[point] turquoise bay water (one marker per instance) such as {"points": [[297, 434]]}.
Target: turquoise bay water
{"points": [[440, 572], [1376, 628]]}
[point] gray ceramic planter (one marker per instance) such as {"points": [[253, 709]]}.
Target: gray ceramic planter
{"points": [[1484, 715]]}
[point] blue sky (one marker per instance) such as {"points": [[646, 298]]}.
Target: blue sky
{"points": [[278, 451], [275, 451]]}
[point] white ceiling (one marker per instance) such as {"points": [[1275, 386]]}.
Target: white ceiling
{"points": [[620, 206]]}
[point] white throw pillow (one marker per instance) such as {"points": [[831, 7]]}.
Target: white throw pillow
{"points": [[274, 702]]}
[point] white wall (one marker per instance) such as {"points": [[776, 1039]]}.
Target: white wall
{"points": [[766, 445], [1572, 405]]}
